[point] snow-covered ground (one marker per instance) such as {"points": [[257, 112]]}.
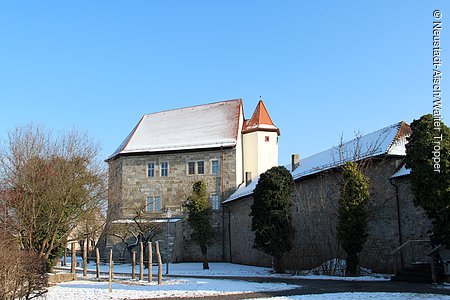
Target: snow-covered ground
{"points": [[227, 269], [364, 296], [181, 287], [125, 288], [190, 288]]}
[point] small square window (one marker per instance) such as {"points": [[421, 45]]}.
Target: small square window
{"points": [[191, 167], [164, 169], [200, 167], [215, 202], [215, 169], [150, 170], [153, 204], [267, 138]]}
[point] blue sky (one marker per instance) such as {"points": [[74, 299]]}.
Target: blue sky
{"points": [[323, 68]]}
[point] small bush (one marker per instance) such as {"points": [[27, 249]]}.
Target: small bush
{"points": [[22, 274]]}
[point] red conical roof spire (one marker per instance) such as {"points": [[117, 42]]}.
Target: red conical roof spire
{"points": [[260, 120]]}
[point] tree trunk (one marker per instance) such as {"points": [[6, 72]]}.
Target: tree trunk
{"points": [[352, 264], [204, 250], [277, 266]]}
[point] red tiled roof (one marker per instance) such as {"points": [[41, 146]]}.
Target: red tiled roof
{"points": [[260, 120]]}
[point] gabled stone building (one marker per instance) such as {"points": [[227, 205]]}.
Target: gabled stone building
{"points": [[153, 170], [393, 219]]}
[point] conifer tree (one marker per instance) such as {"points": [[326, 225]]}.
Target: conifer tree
{"points": [[352, 214], [199, 213], [271, 214], [427, 151]]}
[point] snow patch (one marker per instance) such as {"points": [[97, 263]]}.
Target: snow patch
{"points": [[186, 287]]}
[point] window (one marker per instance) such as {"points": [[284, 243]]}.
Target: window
{"points": [[191, 167], [215, 169], [267, 138], [151, 170], [215, 201], [200, 167], [153, 204], [164, 169]]}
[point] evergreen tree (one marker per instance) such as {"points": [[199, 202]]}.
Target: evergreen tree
{"points": [[352, 218], [271, 214], [199, 213], [429, 149]]}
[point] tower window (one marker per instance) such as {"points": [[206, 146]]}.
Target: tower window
{"points": [[267, 138]]}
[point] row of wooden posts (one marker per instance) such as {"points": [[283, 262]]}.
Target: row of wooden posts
{"points": [[111, 262]]}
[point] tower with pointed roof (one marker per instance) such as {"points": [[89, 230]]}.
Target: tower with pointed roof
{"points": [[154, 168], [260, 142]]}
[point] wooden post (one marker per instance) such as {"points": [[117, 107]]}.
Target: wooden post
{"points": [[73, 263], [97, 262], [141, 261], [65, 256], [150, 262], [433, 270], [85, 259], [111, 264], [158, 256], [133, 265], [87, 248]]}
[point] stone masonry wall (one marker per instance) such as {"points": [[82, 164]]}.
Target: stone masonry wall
{"points": [[130, 173], [242, 237], [315, 203]]}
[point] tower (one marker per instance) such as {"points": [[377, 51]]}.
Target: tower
{"points": [[260, 142]]}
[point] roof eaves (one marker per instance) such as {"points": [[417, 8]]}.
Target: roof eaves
{"points": [[403, 130], [125, 143]]}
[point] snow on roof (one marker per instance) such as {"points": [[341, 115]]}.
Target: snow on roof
{"points": [[243, 190], [203, 126], [390, 140], [132, 221], [403, 171]]}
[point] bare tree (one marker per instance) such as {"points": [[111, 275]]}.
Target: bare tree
{"points": [[139, 228], [49, 184]]}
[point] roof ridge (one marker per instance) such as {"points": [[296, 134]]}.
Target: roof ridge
{"points": [[353, 139], [193, 106], [382, 130]]}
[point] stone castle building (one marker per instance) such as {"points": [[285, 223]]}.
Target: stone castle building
{"points": [[152, 172]]}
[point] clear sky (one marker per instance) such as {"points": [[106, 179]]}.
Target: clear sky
{"points": [[323, 68]]}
